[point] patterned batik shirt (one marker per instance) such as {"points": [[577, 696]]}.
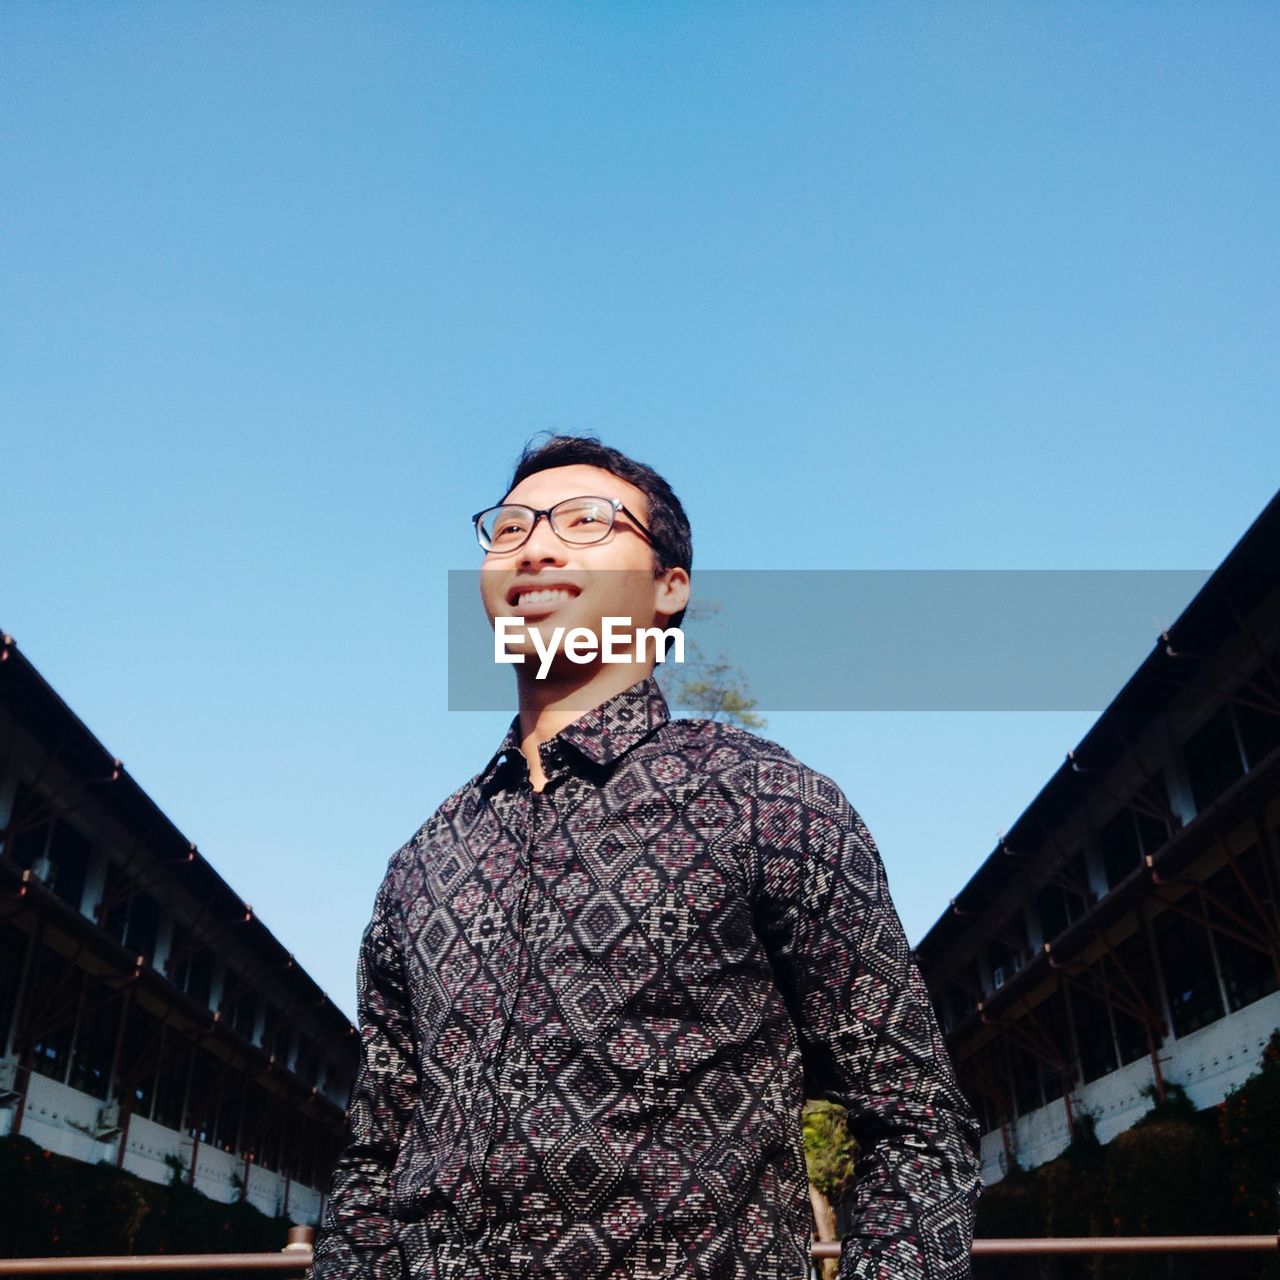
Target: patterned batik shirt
{"points": [[591, 1015]]}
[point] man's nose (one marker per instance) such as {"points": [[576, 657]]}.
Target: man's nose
{"points": [[543, 545]]}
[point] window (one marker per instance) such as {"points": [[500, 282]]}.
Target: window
{"points": [[95, 1041], [171, 1082], [1126, 840], [53, 1001], [291, 1160], [275, 1033], [982, 1075], [259, 1127], [341, 1085], [53, 850], [281, 1042], [133, 920], [244, 1014], [69, 851], [1107, 1036], [1094, 1035], [272, 1139], [141, 1039], [201, 1104], [983, 1108], [1213, 758], [953, 1005], [191, 969], [1132, 957], [1024, 1068], [13, 947], [1248, 973], [1005, 960], [1120, 848], [1006, 953], [30, 820], [1186, 959], [1259, 732], [226, 1121], [1059, 906], [1051, 1017], [308, 1064], [270, 1018]]}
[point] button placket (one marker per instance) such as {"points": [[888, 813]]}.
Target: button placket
{"points": [[526, 797]]}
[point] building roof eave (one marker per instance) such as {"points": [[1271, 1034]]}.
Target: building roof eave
{"points": [[38, 706], [1248, 571]]}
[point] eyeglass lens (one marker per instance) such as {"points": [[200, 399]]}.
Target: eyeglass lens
{"points": [[576, 520]]}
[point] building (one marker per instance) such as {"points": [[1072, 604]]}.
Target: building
{"points": [[147, 1016], [1124, 934]]}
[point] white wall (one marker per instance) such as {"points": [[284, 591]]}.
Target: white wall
{"points": [[1208, 1063], [57, 1117]]}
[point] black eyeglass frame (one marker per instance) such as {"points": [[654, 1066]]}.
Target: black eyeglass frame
{"points": [[615, 505]]}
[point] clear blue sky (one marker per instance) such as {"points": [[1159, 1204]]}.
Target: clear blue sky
{"points": [[285, 287]]}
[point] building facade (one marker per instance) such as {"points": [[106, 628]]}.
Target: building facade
{"points": [[147, 1016], [1124, 934]]}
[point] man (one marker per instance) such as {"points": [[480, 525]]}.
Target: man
{"points": [[601, 979]]}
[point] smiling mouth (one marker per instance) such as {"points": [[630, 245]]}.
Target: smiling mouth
{"points": [[540, 597]]}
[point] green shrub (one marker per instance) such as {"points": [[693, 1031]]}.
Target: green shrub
{"points": [[1165, 1177], [1013, 1207], [57, 1207], [1249, 1123]]}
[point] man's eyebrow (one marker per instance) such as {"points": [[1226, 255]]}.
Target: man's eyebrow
{"points": [[595, 493]]}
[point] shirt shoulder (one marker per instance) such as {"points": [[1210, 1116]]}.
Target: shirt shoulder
{"points": [[740, 761], [431, 837]]}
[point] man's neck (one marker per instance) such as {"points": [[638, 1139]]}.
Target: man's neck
{"points": [[547, 706]]}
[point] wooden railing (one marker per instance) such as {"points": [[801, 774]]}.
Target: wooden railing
{"points": [[295, 1257]]}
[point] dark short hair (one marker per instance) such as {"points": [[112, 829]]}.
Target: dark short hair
{"points": [[672, 538]]}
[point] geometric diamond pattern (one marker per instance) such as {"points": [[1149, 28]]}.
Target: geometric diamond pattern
{"points": [[590, 1016]]}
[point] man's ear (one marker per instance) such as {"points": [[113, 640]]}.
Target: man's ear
{"points": [[671, 592]]}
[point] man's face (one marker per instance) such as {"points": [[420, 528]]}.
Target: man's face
{"points": [[612, 578]]}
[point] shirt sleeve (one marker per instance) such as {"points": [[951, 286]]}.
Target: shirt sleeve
{"points": [[868, 1035], [356, 1238]]}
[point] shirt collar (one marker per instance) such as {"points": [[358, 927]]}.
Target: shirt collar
{"points": [[602, 735]]}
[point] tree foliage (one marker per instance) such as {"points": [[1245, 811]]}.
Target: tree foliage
{"points": [[709, 688], [1178, 1171], [830, 1153], [1250, 1127]]}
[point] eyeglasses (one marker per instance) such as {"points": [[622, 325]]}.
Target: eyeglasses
{"points": [[577, 521]]}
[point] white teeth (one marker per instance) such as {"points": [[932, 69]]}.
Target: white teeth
{"points": [[543, 597]]}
